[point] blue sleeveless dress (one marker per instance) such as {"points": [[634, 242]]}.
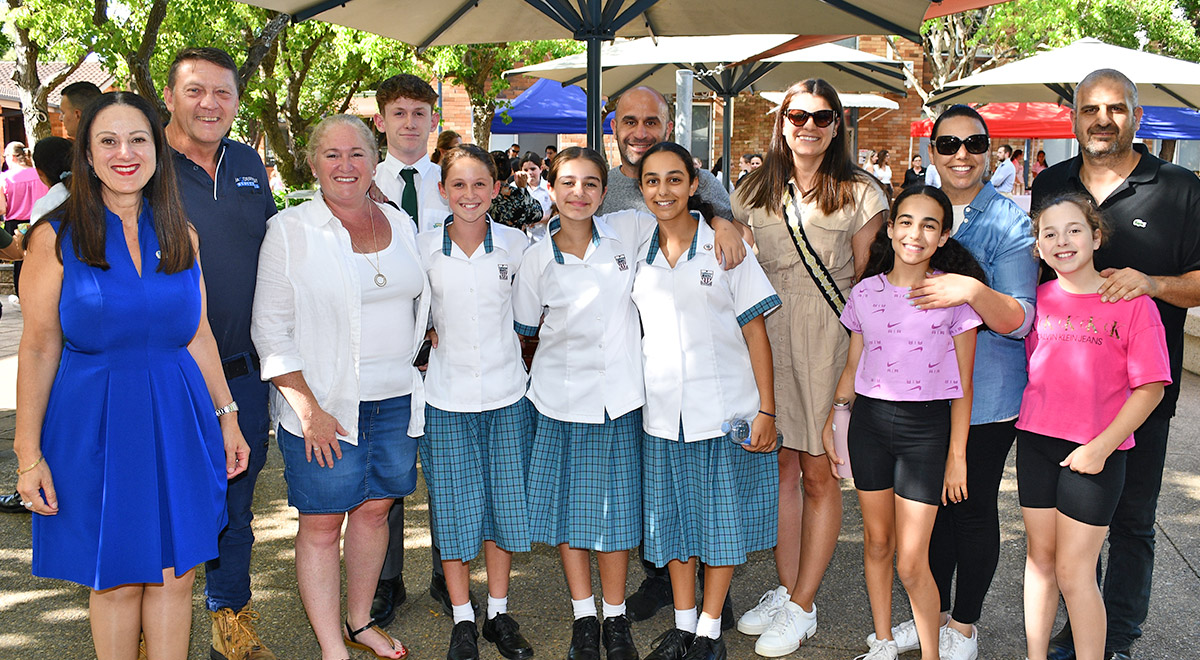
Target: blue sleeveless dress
{"points": [[133, 446]]}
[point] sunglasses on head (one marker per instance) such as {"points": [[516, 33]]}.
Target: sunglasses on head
{"points": [[821, 118], [947, 145]]}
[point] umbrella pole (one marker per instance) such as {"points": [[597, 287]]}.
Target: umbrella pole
{"points": [[726, 137], [595, 107]]}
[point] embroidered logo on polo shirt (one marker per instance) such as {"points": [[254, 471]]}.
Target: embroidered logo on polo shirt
{"points": [[1139, 223], [621, 263], [503, 271], [247, 182], [706, 277]]}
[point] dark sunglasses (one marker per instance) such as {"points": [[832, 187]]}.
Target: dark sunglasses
{"points": [[821, 118], [947, 145]]}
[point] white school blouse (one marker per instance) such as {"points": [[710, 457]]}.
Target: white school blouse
{"points": [[477, 364], [307, 313], [694, 357], [430, 205], [588, 360]]}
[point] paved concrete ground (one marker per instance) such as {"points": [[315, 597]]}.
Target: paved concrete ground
{"points": [[48, 619]]}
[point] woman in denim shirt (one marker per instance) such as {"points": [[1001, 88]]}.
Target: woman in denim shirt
{"points": [[998, 234]]}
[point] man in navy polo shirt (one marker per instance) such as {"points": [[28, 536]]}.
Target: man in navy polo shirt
{"points": [[1151, 208], [225, 193]]}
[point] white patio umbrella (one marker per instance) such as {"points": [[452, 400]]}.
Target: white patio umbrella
{"points": [[653, 62], [427, 24], [1052, 76]]}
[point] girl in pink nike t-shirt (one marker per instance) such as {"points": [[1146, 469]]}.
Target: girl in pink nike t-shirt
{"points": [[1096, 371], [908, 375]]}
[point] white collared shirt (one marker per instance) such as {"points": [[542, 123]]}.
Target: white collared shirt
{"points": [[588, 361], [430, 205], [308, 311], [695, 360], [477, 364], [541, 192]]}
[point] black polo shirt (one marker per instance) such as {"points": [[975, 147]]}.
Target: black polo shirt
{"points": [[230, 215], [1154, 217]]}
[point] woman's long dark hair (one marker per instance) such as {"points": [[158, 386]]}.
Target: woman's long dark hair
{"points": [[834, 189], [694, 202], [949, 258], [82, 215]]}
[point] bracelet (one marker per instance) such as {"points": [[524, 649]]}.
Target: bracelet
{"points": [[35, 464], [763, 412], [232, 407]]}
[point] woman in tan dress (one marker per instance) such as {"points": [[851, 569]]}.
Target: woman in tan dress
{"points": [[808, 178]]}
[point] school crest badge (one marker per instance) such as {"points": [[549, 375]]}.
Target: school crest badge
{"points": [[706, 278], [621, 263], [503, 272]]}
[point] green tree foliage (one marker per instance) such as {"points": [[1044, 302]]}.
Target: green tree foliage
{"points": [[479, 68], [962, 44]]}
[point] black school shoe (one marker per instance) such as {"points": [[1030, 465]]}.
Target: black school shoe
{"points": [[672, 645], [706, 648], [618, 639], [464, 642], [653, 595], [390, 594], [505, 633], [585, 639], [1062, 645]]}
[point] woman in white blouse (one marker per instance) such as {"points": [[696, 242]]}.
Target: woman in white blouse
{"points": [[340, 310]]}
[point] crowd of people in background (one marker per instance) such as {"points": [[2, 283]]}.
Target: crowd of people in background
{"points": [[701, 343]]}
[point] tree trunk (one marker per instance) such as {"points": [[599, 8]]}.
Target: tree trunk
{"points": [[481, 123], [139, 60], [261, 45]]}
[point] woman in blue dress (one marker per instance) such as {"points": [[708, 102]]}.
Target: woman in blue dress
{"points": [[122, 398]]}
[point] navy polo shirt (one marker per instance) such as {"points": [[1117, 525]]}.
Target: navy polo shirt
{"points": [[1154, 217], [230, 215]]}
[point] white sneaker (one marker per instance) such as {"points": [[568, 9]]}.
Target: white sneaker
{"points": [[881, 650], [756, 620], [790, 627], [905, 636], [953, 645]]}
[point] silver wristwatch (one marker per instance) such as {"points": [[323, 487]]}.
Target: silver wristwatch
{"points": [[232, 407]]}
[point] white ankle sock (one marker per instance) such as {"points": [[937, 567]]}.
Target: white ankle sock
{"points": [[685, 620], [611, 611], [584, 607], [463, 612], [708, 627], [497, 606]]}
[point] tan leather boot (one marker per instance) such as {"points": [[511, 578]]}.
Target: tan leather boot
{"points": [[234, 637]]}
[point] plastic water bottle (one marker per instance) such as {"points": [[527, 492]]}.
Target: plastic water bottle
{"points": [[737, 430], [841, 425]]}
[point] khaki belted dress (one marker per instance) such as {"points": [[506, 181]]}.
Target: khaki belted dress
{"points": [[808, 341]]}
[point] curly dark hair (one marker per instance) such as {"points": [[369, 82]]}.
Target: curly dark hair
{"points": [[949, 258]]}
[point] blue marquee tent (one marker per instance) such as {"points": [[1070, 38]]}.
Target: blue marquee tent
{"points": [[547, 107]]}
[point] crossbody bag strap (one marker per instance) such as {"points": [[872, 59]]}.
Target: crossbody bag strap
{"points": [[812, 263]]}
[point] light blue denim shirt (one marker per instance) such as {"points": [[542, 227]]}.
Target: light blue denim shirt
{"points": [[999, 235]]}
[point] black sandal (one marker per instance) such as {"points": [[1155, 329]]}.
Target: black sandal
{"points": [[352, 636]]}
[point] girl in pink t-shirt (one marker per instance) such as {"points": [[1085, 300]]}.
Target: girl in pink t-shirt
{"points": [[1096, 371], [908, 375]]}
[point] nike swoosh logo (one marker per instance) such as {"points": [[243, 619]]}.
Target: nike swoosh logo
{"points": [[935, 327], [892, 325], [892, 364], [916, 388], [933, 364], [877, 348], [916, 348]]}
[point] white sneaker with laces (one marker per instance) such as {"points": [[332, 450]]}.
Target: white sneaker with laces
{"points": [[905, 636], [756, 620], [953, 645], [881, 650], [790, 627]]}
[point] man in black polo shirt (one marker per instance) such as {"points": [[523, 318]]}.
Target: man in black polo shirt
{"points": [[1151, 207], [225, 193]]}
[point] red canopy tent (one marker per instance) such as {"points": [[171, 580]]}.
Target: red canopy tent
{"points": [[1016, 120]]}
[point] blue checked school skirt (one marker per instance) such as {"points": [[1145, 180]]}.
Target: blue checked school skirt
{"points": [[475, 466], [709, 499], [585, 483]]}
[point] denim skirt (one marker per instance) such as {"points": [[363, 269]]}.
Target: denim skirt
{"points": [[382, 466]]}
